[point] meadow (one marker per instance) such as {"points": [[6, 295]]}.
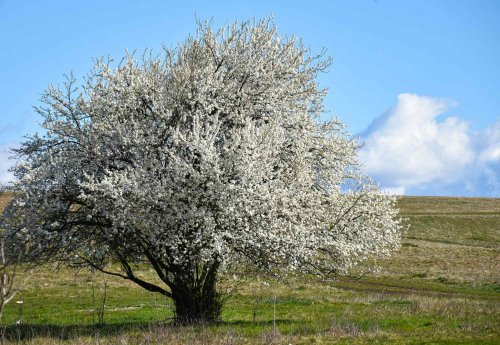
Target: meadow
{"points": [[441, 287]]}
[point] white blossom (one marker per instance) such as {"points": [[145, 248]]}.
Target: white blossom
{"points": [[212, 153]]}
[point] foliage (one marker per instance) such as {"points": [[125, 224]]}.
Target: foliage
{"points": [[209, 157]]}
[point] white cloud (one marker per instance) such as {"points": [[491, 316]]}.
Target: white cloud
{"points": [[490, 154], [5, 163], [395, 190], [488, 161], [490, 145], [411, 149]]}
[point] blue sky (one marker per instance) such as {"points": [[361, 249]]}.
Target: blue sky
{"points": [[418, 80]]}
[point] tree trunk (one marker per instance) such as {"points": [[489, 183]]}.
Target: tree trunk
{"points": [[196, 298]]}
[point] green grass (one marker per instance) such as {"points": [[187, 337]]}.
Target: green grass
{"points": [[441, 287]]}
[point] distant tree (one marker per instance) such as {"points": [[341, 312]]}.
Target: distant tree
{"points": [[209, 157]]}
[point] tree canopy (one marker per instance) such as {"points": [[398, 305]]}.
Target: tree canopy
{"points": [[209, 156]]}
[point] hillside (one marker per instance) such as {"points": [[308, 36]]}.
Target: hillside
{"points": [[449, 239], [441, 287], [5, 197]]}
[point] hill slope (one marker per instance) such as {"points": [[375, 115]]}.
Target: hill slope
{"points": [[441, 287]]}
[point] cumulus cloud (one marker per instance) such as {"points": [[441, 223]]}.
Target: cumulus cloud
{"points": [[490, 142], [410, 149], [5, 164], [488, 159]]}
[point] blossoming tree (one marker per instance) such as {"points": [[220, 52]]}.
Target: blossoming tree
{"points": [[210, 156]]}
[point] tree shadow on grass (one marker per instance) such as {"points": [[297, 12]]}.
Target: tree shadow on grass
{"points": [[26, 332], [267, 323]]}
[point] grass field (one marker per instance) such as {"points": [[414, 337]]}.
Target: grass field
{"points": [[442, 287]]}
